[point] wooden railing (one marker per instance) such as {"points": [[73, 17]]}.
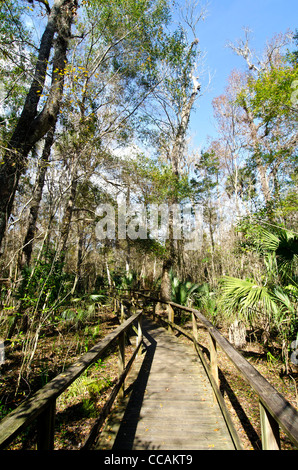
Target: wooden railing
{"points": [[275, 411], [41, 406]]}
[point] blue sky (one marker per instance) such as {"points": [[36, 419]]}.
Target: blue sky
{"points": [[225, 22]]}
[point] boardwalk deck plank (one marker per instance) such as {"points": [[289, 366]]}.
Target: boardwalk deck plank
{"points": [[170, 405]]}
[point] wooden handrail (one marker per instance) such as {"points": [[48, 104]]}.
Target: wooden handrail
{"points": [[275, 410], [42, 404]]}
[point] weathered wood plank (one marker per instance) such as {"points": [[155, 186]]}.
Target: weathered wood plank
{"points": [[108, 405], [45, 428], [279, 408], [171, 404], [270, 430]]}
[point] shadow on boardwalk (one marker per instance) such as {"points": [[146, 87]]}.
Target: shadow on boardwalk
{"points": [[120, 431], [169, 404], [125, 438]]}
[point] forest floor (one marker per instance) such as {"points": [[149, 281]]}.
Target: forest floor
{"points": [[78, 407]]}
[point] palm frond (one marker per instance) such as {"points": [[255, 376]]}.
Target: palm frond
{"points": [[245, 297], [283, 245], [267, 240], [285, 303], [287, 253]]}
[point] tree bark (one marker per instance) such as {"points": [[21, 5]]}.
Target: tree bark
{"points": [[66, 222], [255, 142], [80, 258], [165, 287], [179, 143], [32, 126], [34, 209]]}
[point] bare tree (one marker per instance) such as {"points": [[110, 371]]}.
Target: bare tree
{"points": [[261, 139], [271, 56]]}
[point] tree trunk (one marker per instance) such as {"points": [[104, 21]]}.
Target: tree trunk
{"points": [[237, 334], [34, 209], [66, 222], [262, 169], [165, 287], [32, 126], [108, 274], [80, 258], [177, 152]]}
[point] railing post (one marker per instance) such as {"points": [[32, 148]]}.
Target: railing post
{"points": [[194, 328], [213, 361], [171, 317], [140, 333], [46, 428], [269, 430], [122, 317], [121, 360], [121, 356]]}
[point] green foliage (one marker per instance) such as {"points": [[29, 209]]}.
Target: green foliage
{"points": [[87, 389], [273, 299], [161, 184], [279, 249], [182, 292], [75, 315], [80, 310], [14, 58], [4, 410], [128, 280], [12, 28], [150, 246], [207, 173], [180, 57], [206, 301], [205, 185], [244, 182], [244, 297], [294, 55], [271, 93], [45, 282], [114, 68], [133, 30], [268, 100]]}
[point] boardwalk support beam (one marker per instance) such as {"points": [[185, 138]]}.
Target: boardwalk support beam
{"points": [[269, 429], [46, 428]]}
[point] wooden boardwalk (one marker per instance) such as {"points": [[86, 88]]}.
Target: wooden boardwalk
{"points": [[169, 404]]}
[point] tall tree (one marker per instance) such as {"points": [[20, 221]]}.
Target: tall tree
{"points": [[265, 103], [230, 146], [34, 123], [37, 196], [205, 186], [177, 100]]}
